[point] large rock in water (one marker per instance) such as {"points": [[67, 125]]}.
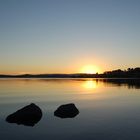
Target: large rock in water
{"points": [[28, 115], [66, 111]]}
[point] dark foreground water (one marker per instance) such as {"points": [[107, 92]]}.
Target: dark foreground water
{"points": [[109, 109]]}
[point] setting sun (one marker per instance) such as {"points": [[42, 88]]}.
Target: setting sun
{"points": [[90, 69]]}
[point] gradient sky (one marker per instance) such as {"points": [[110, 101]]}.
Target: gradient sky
{"points": [[62, 36]]}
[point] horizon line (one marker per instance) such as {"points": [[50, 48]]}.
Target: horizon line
{"points": [[97, 73]]}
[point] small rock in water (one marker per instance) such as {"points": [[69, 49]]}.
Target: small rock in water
{"points": [[28, 115], [66, 111]]}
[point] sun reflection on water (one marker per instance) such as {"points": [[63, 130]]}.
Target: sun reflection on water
{"points": [[90, 84]]}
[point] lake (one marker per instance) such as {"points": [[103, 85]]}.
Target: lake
{"points": [[109, 109]]}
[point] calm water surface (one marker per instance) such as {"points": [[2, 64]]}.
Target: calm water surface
{"points": [[109, 109]]}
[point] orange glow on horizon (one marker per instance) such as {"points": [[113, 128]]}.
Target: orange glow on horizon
{"points": [[90, 69]]}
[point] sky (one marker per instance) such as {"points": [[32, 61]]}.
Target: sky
{"points": [[63, 36]]}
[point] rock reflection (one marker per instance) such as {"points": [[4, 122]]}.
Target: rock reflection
{"points": [[66, 111], [28, 115]]}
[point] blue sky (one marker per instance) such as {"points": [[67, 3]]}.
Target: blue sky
{"points": [[61, 36]]}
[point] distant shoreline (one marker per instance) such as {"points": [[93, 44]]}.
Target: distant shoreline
{"points": [[72, 76], [133, 73]]}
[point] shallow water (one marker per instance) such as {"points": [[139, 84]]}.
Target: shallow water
{"points": [[109, 109]]}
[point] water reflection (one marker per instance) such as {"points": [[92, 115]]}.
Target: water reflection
{"points": [[106, 110], [130, 83], [90, 84]]}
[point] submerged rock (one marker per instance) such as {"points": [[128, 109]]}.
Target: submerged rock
{"points": [[28, 115], [66, 111]]}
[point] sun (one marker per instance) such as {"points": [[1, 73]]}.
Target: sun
{"points": [[89, 69]]}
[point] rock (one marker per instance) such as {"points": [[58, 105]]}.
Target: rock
{"points": [[28, 115], [66, 111]]}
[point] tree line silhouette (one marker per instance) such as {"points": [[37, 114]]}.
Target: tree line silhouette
{"points": [[129, 73]]}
